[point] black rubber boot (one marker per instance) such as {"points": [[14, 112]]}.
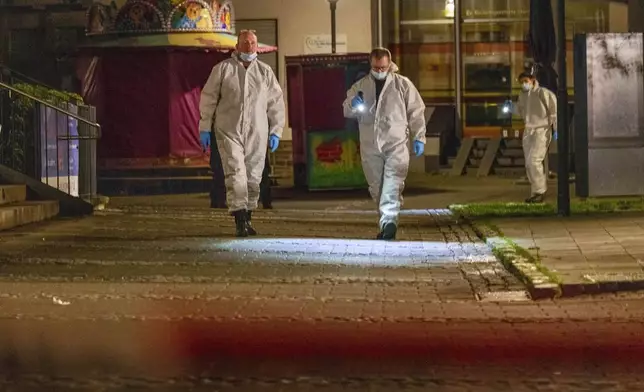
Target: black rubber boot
{"points": [[240, 223], [389, 231], [249, 226], [536, 198]]}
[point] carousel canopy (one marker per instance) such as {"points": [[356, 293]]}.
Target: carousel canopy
{"points": [[162, 23], [222, 41]]}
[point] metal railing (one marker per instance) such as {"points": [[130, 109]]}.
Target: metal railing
{"points": [[11, 77], [52, 141]]}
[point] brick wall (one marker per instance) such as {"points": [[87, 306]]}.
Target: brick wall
{"points": [[282, 164]]}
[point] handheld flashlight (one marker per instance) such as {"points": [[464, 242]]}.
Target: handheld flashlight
{"points": [[507, 106], [361, 106]]}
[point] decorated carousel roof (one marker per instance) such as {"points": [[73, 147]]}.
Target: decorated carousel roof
{"points": [[222, 41], [155, 23]]}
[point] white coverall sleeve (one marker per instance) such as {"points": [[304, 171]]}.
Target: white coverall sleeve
{"points": [[276, 109], [551, 108], [520, 109], [350, 112], [415, 112], [210, 98]]}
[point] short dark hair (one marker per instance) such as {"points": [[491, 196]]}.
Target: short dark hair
{"points": [[527, 74], [378, 53]]}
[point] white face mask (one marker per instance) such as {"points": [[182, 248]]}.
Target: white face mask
{"points": [[527, 86], [379, 75], [247, 57]]}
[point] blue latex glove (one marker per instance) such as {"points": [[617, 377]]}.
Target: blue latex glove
{"points": [[555, 135], [273, 142], [205, 139], [419, 148], [356, 101]]}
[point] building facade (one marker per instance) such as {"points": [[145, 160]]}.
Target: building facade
{"points": [[39, 38], [492, 47]]}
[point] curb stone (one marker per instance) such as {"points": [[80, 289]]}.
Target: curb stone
{"points": [[542, 285], [525, 268], [605, 283]]}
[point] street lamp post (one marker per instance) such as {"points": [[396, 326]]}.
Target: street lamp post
{"points": [[333, 4], [454, 8], [563, 188]]}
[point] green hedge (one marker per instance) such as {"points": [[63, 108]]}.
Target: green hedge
{"points": [[17, 140]]}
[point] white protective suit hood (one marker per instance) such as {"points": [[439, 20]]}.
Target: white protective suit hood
{"points": [[538, 107], [243, 106]]}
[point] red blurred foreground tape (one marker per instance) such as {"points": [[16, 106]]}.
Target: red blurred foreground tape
{"points": [[443, 342]]}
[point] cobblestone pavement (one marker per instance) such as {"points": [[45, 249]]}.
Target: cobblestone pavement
{"points": [[422, 191], [443, 380], [443, 258], [166, 299], [584, 250]]}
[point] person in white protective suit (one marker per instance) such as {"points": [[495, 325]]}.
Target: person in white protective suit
{"points": [[537, 107], [243, 102], [388, 108]]}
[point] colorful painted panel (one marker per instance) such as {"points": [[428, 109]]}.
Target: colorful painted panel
{"points": [[139, 16], [154, 16], [334, 160], [192, 15]]}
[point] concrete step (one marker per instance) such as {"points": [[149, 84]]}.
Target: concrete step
{"points": [[511, 172], [25, 212], [12, 194], [510, 162], [512, 152], [513, 143], [481, 143]]}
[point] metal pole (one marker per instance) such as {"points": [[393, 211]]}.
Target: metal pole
{"points": [[333, 8], [379, 23], [458, 65], [563, 188]]}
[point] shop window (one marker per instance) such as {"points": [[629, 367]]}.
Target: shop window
{"points": [[493, 49]]}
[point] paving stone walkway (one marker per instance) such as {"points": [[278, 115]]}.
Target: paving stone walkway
{"points": [[583, 250], [153, 244], [166, 299]]}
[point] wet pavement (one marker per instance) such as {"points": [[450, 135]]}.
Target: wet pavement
{"points": [[194, 245], [164, 298]]}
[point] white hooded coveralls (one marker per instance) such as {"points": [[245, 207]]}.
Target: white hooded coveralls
{"points": [[538, 108], [246, 105], [385, 128]]}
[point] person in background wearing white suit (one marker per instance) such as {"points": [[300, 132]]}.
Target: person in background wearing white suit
{"points": [[389, 110], [245, 103], [537, 107]]}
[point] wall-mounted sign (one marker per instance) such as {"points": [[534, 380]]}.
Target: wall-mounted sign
{"points": [[321, 44]]}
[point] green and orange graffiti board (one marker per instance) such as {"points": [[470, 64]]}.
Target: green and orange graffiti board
{"points": [[334, 160]]}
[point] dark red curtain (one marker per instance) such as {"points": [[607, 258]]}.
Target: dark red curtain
{"points": [[147, 100], [297, 121], [89, 72], [135, 119], [188, 72], [324, 92]]}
